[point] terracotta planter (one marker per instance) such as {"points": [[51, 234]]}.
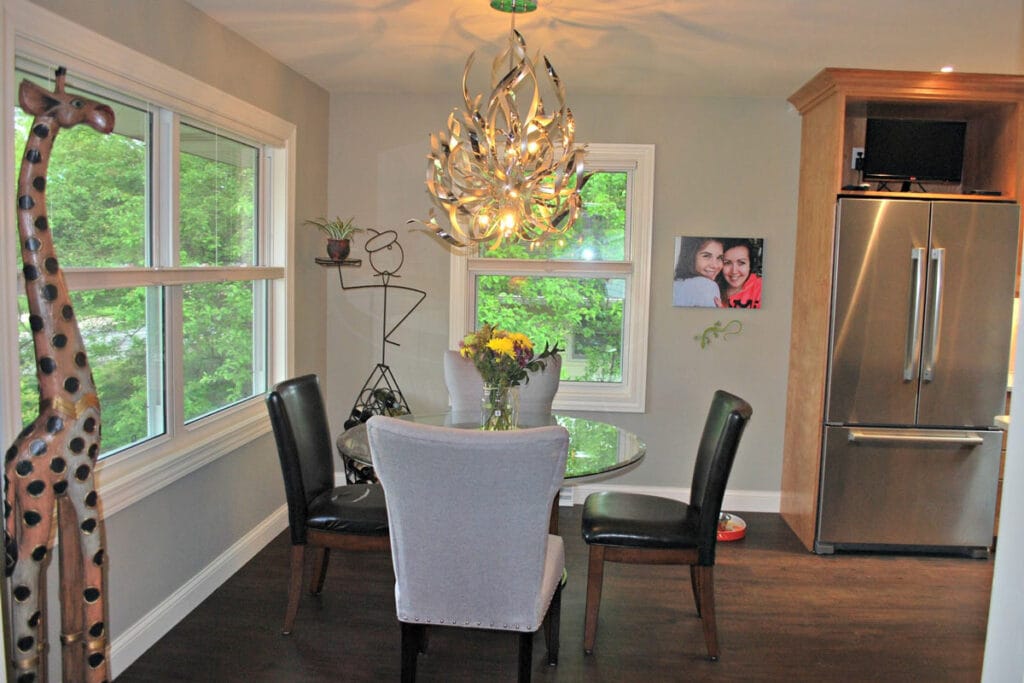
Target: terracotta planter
{"points": [[338, 250]]}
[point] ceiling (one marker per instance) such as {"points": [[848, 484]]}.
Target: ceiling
{"points": [[642, 47]]}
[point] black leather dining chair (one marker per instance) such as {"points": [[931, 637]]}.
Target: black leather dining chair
{"points": [[644, 529], [352, 517]]}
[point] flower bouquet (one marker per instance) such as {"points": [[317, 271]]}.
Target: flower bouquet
{"points": [[503, 359]]}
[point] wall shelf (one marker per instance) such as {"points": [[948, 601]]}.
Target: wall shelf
{"points": [[355, 262]]}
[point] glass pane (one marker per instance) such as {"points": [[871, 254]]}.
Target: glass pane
{"points": [[120, 347], [217, 191], [598, 235], [96, 186], [220, 349], [584, 315]]}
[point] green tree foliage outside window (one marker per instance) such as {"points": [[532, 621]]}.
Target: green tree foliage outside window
{"points": [[585, 313]]}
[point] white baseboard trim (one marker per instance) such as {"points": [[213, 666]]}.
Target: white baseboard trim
{"points": [[143, 634], [735, 501]]}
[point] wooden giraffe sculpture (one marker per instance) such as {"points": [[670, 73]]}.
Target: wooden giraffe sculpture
{"points": [[50, 465]]}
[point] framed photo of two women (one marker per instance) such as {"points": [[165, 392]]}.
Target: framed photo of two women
{"points": [[718, 272]]}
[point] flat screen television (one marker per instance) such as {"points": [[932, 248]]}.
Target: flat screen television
{"points": [[914, 149]]}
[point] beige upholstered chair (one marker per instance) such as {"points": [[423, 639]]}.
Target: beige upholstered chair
{"points": [[468, 512], [465, 389]]}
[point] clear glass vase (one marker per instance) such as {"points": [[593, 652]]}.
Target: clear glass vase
{"points": [[499, 407]]}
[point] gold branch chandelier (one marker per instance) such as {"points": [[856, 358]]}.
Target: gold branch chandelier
{"points": [[498, 172]]}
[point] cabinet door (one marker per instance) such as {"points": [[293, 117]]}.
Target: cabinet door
{"points": [[876, 318]]}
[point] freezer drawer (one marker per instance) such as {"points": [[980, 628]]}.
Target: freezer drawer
{"points": [[907, 487]]}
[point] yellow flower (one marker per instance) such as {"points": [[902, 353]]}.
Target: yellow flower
{"points": [[502, 345], [521, 339]]}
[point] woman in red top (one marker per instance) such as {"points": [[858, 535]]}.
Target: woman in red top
{"points": [[740, 279]]}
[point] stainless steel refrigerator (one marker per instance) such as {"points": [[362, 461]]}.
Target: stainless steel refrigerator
{"points": [[919, 347]]}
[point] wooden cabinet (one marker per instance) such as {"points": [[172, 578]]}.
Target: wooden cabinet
{"points": [[834, 106]]}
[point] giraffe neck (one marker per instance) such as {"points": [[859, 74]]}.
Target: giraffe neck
{"points": [[62, 368]]}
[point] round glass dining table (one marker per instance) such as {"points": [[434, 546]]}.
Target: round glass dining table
{"points": [[595, 447]]}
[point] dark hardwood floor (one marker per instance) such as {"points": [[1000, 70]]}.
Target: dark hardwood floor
{"points": [[783, 615]]}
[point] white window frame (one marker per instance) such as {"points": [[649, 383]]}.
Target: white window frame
{"points": [[131, 475], [628, 396]]}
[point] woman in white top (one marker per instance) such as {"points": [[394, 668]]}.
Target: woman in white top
{"points": [[700, 262]]}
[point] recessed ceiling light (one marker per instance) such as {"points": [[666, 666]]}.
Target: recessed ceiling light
{"points": [[948, 69]]}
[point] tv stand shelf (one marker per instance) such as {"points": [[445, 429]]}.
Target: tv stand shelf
{"points": [[834, 107]]}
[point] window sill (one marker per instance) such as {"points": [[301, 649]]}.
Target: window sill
{"points": [[125, 478]]}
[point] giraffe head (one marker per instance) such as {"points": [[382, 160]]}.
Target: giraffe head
{"points": [[67, 109]]}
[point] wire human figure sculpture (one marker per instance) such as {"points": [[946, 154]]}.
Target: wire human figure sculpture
{"points": [[380, 394]]}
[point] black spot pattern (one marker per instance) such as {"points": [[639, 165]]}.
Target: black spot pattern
{"points": [[94, 451], [42, 223], [32, 244], [22, 593], [91, 594], [31, 272], [33, 156], [89, 526], [52, 265], [97, 559], [77, 444], [82, 473], [39, 183], [41, 130], [27, 677], [58, 465], [97, 629], [89, 425], [26, 643], [37, 447], [25, 202], [35, 322], [47, 365], [90, 499], [23, 468], [54, 424], [39, 553], [31, 518], [12, 453], [33, 620], [67, 312], [71, 385], [35, 488], [95, 659], [50, 292], [80, 359], [60, 487]]}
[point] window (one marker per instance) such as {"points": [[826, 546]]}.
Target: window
{"points": [[172, 233], [587, 290]]}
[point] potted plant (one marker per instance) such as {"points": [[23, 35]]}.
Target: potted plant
{"points": [[338, 233]]}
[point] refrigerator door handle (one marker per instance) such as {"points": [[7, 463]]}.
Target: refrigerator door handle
{"points": [[931, 347], [936, 437], [913, 343]]}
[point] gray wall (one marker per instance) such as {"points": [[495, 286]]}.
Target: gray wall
{"points": [[162, 542], [723, 166]]}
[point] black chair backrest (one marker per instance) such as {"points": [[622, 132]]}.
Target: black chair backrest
{"points": [[723, 428], [303, 437]]}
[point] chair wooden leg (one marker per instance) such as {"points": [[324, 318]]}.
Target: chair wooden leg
{"points": [[298, 557], [552, 623], [706, 588], [316, 582], [695, 588], [595, 577], [525, 657], [412, 635]]}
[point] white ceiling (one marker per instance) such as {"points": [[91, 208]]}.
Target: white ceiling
{"points": [[690, 47]]}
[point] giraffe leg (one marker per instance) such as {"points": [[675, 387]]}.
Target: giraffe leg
{"points": [[28, 526], [71, 587], [85, 595]]}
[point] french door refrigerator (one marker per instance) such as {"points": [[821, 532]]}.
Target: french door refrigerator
{"points": [[918, 352]]}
